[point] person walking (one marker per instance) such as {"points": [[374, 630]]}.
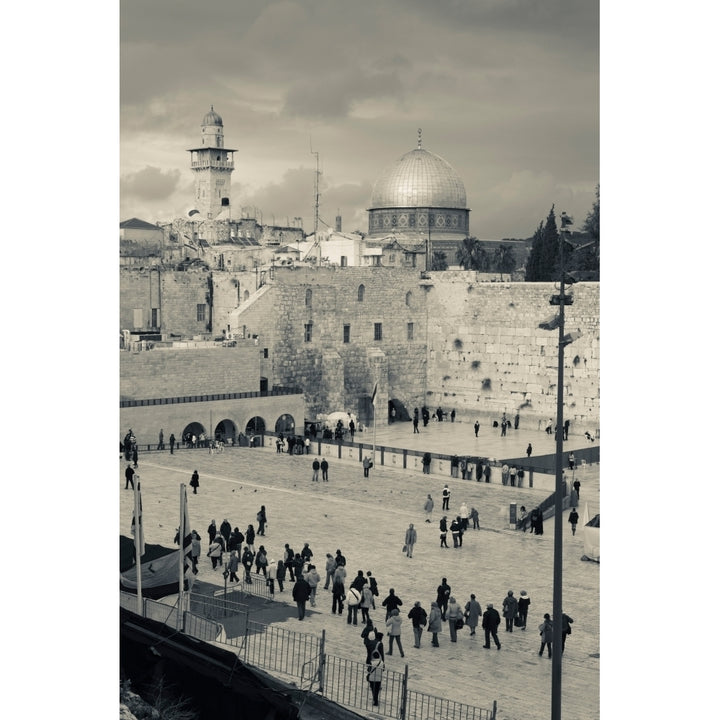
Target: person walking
{"points": [[418, 616], [566, 629], [443, 531], [215, 552], [390, 603], [369, 637], [393, 624], [271, 576], [249, 538], [338, 594], [195, 549], [261, 518], [571, 460], [475, 517], [416, 422], [477, 427], [261, 561], [576, 485], [172, 443], [324, 469], [573, 518], [473, 611], [453, 614], [428, 508], [316, 470], [490, 623], [509, 610], [280, 571], [410, 540], [330, 566], [247, 562], [232, 567], [129, 477], [312, 578], [455, 531], [135, 455], [301, 593], [367, 464], [529, 449], [435, 623], [446, 498], [426, 460], [161, 440], [376, 667], [225, 530], [351, 427], [212, 530], [366, 603], [195, 482], [443, 597], [546, 635], [523, 606]]}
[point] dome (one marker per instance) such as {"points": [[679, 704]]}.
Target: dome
{"points": [[212, 118], [419, 179]]}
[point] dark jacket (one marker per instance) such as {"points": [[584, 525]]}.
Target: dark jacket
{"points": [[443, 594], [250, 535], [491, 619], [418, 616], [225, 529], [391, 602], [301, 590]]}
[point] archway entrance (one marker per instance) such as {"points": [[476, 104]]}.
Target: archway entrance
{"points": [[255, 426], [285, 424], [226, 431], [197, 430]]}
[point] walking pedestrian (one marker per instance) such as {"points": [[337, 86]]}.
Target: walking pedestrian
{"points": [[490, 622], [261, 561], [529, 449], [455, 528], [571, 460], [271, 576], [443, 597], [453, 614], [546, 635], [426, 460], [316, 470], [366, 603], [324, 469], [338, 594], [232, 567], [415, 423], [374, 676], [566, 629], [225, 530], [212, 530], [446, 498], [161, 440], [330, 566], [312, 577], [443, 531], [351, 427], [367, 464], [475, 517], [509, 610], [473, 611], [576, 485], [369, 637], [573, 518], [390, 603], [195, 482], [393, 624], [195, 549], [135, 455], [301, 593], [261, 518], [172, 443], [477, 427], [410, 540], [247, 562], [280, 571], [215, 552], [129, 477], [435, 623], [418, 616], [372, 582], [523, 606], [428, 507]]}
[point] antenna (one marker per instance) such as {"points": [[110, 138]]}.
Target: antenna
{"points": [[317, 201]]}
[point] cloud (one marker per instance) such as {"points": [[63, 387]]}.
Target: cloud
{"points": [[150, 183]]}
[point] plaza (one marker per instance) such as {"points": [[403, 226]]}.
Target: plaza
{"points": [[367, 517]]}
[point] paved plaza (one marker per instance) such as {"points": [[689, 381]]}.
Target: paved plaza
{"points": [[367, 517]]}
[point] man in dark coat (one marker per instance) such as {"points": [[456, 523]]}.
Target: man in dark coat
{"points": [[419, 619], [490, 623], [443, 596], [301, 593], [324, 469], [566, 629], [129, 474], [225, 530], [391, 602]]}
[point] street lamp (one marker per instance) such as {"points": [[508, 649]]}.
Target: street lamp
{"points": [[558, 321]]}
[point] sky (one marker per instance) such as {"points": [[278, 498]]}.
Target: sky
{"points": [[507, 91]]}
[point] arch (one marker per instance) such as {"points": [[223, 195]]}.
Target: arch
{"points": [[308, 297], [226, 430], [246, 295], [255, 426], [408, 298], [361, 293], [285, 424], [401, 412], [194, 428]]}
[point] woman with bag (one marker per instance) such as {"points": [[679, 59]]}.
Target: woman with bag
{"points": [[454, 618], [374, 676], [215, 552]]}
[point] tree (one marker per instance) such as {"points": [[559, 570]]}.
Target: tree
{"points": [[439, 261], [504, 259], [544, 255], [472, 255]]}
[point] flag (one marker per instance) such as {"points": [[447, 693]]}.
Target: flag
{"points": [[140, 537], [187, 530], [374, 395]]}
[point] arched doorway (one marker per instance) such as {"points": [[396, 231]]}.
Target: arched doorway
{"points": [[285, 424], [400, 414], [255, 426], [198, 430], [226, 431]]}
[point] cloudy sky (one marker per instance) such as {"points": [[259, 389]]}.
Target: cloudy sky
{"points": [[507, 91]]}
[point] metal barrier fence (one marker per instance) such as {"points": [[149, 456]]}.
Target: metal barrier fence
{"points": [[420, 706]]}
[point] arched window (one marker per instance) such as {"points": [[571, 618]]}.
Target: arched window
{"points": [[308, 298], [246, 295], [361, 293], [408, 299]]}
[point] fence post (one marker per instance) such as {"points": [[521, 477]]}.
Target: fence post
{"points": [[494, 710], [403, 699], [321, 664]]}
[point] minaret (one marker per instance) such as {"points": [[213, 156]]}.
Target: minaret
{"points": [[212, 164]]}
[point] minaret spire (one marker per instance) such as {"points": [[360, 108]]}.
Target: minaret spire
{"points": [[419, 138]]}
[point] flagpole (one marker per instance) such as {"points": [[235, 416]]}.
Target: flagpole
{"points": [[181, 558], [138, 544]]}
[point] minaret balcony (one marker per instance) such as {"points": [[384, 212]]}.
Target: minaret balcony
{"points": [[219, 164]]}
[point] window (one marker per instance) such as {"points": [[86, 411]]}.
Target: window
{"points": [[137, 318], [265, 353], [408, 299], [308, 298], [343, 261], [346, 333], [201, 313], [308, 332], [155, 314], [378, 331], [391, 258], [411, 331], [361, 293]]}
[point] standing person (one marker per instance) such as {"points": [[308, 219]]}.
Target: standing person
{"points": [[533, 519], [261, 561], [571, 460], [367, 464], [366, 603], [455, 528], [454, 465], [312, 577], [129, 477], [330, 566], [390, 603], [418, 616], [566, 629], [351, 427], [513, 475], [372, 584], [435, 623], [529, 449], [376, 666], [307, 445], [517, 420], [576, 485], [520, 477], [338, 593], [452, 416], [393, 623], [306, 553], [212, 530], [428, 508], [195, 548], [416, 422], [475, 517], [161, 440], [464, 515], [443, 597], [504, 473], [301, 593], [354, 598], [280, 573], [573, 518], [446, 498], [316, 470], [247, 562], [523, 519], [426, 460], [453, 614], [225, 530], [135, 455], [539, 523], [523, 606], [298, 565], [473, 611], [232, 567], [546, 635], [490, 622], [272, 576], [324, 469], [172, 443], [443, 531], [261, 518], [215, 552], [487, 471], [410, 540], [195, 482], [369, 637], [249, 538], [566, 429], [509, 610], [477, 427]]}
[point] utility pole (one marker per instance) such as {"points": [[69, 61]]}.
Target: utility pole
{"points": [[317, 204]]}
